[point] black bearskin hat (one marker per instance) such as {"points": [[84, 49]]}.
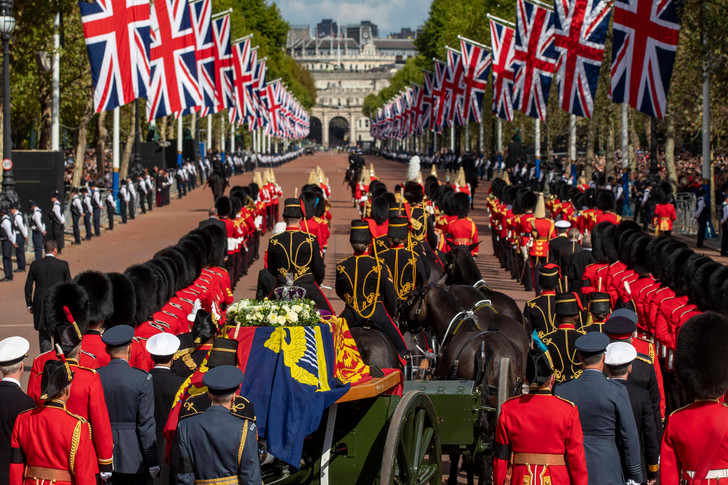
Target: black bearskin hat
{"points": [[193, 254], [224, 206], [652, 253], [460, 204], [377, 188], [380, 209], [696, 286], [624, 245], [161, 277], [658, 195], [701, 356], [715, 290], [413, 192], [360, 233], [638, 255], [597, 239], [180, 266], [70, 296], [609, 242], [201, 242], [170, 274], [309, 201], [206, 240], [674, 264], [125, 302], [218, 251], [628, 225], [100, 294], [144, 281], [605, 201]]}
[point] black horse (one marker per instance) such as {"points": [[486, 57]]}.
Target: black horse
{"points": [[352, 176], [218, 182], [461, 269]]}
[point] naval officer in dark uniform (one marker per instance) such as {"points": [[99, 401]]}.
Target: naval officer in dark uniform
{"points": [[129, 397], [219, 445], [611, 441], [294, 257]]}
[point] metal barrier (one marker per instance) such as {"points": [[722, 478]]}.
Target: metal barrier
{"points": [[685, 203]]}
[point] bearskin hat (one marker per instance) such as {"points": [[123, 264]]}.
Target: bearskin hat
{"points": [[597, 239], [509, 195], [701, 355], [170, 276], [237, 205], [628, 225], [413, 192], [663, 273], [360, 233], [589, 197], [125, 302], [308, 200], [431, 185], [579, 201], [377, 188], [609, 242], [380, 209], [697, 286], [659, 196], [605, 201], [100, 294], [218, 249], [460, 203], [624, 244], [564, 192], [180, 266], [674, 265], [253, 190], [144, 281], [638, 255], [193, 255], [66, 295], [666, 189], [203, 241], [652, 253], [159, 298], [224, 206], [715, 290]]}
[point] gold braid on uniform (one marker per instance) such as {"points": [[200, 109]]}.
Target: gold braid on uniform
{"points": [[75, 440], [301, 270], [241, 446], [352, 300]]}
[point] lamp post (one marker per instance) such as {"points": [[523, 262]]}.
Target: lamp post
{"points": [[7, 25]]}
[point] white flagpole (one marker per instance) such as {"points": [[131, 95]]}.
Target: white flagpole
{"points": [[500, 137], [209, 133], [452, 138], [481, 133], [115, 151], [467, 137], [625, 136], [222, 137], [232, 138], [572, 138], [537, 143], [55, 85], [706, 123], [254, 146], [179, 141]]}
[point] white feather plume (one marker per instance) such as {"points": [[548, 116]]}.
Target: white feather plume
{"points": [[413, 169]]}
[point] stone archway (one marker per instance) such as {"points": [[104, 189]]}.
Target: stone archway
{"points": [[338, 132], [315, 133]]}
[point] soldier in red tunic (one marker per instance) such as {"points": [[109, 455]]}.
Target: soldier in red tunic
{"points": [[538, 440], [463, 230], [543, 231], [695, 442], [49, 443]]}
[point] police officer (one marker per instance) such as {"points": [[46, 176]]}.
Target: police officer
{"points": [[541, 311], [21, 235], [96, 208], [7, 241], [219, 445], [13, 400], [294, 257], [88, 211], [58, 221], [132, 197], [110, 208], [618, 361], [539, 435], [611, 441], [143, 190], [123, 202], [50, 444], [130, 398], [37, 229], [162, 348], [76, 215], [365, 285]]}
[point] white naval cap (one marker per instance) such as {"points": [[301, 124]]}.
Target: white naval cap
{"points": [[163, 344], [620, 353], [13, 350], [562, 224]]}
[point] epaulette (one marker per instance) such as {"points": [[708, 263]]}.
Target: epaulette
{"points": [[86, 368], [195, 405], [87, 353], [242, 408], [80, 418], [565, 400], [644, 358], [180, 353]]}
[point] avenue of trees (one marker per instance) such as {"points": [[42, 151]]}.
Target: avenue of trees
{"points": [[703, 46], [32, 48]]}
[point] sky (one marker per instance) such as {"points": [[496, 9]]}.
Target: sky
{"points": [[388, 15]]}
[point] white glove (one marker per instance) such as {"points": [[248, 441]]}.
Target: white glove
{"points": [[153, 471], [626, 287], [105, 476], [195, 308]]}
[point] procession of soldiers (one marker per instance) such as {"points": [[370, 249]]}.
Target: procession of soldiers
{"points": [[621, 353]]}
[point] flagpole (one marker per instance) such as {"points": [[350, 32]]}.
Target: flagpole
{"points": [[537, 142], [55, 84], [481, 133], [497, 19], [572, 138], [209, 133], [706, 122], [452, 138], [115, 152], [232, 138], [625, 136], [179, 141], [222, 137], [467, 137], [500, 136], [221, 14]]}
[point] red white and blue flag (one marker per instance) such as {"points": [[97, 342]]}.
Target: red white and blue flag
{"points": [[427, 100], [205, 53], [502, 42], [174, 86], [476, 59], [273, 105], [580, 27], [455, 87], [645, 37], [223, 63], [418, 96], [242, 50], [117, 34], [535, 58], [440, 102]]}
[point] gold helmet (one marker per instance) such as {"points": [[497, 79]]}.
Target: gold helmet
{"points": [[312, 177]]}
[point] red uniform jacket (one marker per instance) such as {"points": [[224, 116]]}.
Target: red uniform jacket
{"points": [[685, 439], [93, 351], [543, 424], [664, 217], [52, 437], [545, 231], [525, 228], [664, 303], [608, 217], [464, 232], [639, 289], [594, 276]]}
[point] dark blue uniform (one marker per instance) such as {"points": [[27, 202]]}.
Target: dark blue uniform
{"points": [[218, 446], [129, 396], [611, 440]]}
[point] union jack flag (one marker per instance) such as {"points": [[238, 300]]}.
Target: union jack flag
{"points": [[258, 120], [535, 59], [427, 101], [174, 85], [223, 63], [418, 96], [261, 93], [273, 105], [117, 34], [646, 34], [440, 101], [407, 101], [581, 29], [455, 87], [242, 51], [205, 53], [476, 61], [501, 40]]}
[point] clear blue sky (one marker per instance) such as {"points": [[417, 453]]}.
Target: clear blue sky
{"points": [[389, 15]]}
